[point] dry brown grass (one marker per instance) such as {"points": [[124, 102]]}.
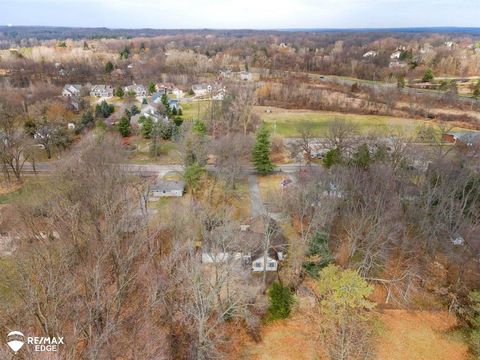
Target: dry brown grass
{"points": [[419, 335], [402, 335]]}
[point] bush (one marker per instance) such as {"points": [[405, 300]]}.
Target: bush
{"points": [[332, 157], [281, 301]]}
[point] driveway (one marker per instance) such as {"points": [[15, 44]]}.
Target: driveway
{"points": [[257, 207]]}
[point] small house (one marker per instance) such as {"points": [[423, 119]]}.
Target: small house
{"points": [[246, 76], [101, 91], [370, 54], [138, 90], [71, 90], [166, 188], [201, 89], [174, 104]]}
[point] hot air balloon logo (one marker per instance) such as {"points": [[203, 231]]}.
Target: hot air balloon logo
{"points": [[15, 340]]}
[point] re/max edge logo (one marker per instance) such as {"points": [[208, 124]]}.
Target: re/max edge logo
{"points": [[16, 340]]}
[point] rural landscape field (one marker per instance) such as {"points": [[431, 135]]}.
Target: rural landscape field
{"points": [[219, 180]]}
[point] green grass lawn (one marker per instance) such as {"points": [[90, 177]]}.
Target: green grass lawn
{"points": [[285, 122], [168, 152], [29, 186], [195, 110]]}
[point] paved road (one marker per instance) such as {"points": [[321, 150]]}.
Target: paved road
{"points": [[161, 170]]}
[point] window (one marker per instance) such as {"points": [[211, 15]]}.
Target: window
{"points": [[271, 264], [258, 264]]}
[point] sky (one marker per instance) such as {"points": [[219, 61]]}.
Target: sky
{"points": [[241, 14]]}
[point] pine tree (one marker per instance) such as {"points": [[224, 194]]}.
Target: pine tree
{"points": [[281, 301], [147, 128], [108, 67], [119, 92], [261, 151], [124, 126], [152, 87]]}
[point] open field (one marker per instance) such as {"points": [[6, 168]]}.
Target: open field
{"points": [[402, 335], [419, 335], [195, 110], [10, 193], [283, 122]]}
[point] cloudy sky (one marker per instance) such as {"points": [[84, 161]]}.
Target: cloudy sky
{"points": [[234, 14]]}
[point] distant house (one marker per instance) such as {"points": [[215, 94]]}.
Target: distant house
{"points": [[165, 88], [219, 95], [468, 138], [157, 97], [147, 111], [246, 76], [177, 92], [101, 91], [396, 54], [397, 64], [138, 90], [201, 89], [72, 90], [174, 104], [370, 54], [166, 188], [226, 74]]}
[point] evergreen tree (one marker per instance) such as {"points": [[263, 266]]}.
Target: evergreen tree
{"points": [[147, 128], [261, 151], [108, 67], [362, 157], [124, 126], [119, 92], [152, 87], [281, 301], [192, 176], [104, 109], [428, 76], [332, 157]]}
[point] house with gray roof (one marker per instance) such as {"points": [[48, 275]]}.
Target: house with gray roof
{"points": [[101, 91], [139, 90], [165, 188], [71, 90]]}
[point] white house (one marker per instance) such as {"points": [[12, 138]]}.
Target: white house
{"points": [[201, 89], [139, 90], [166, 188], [370, 54], [396, 54], [259, 264], [246, 76], [101, 91], [178, 93], [71, 90]]}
